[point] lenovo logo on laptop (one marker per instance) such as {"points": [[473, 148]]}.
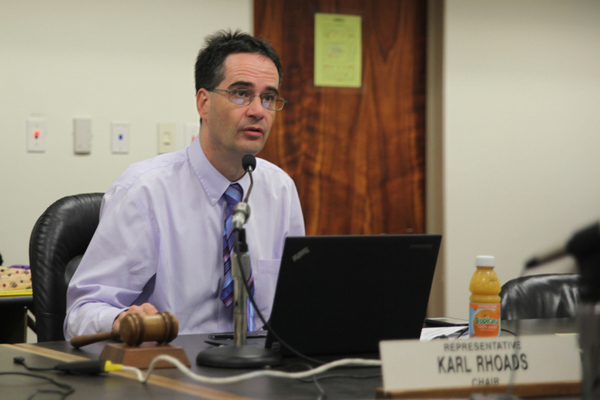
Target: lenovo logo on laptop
{"points": [[300, 254]]}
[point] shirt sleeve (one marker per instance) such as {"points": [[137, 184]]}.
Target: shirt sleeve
{"points": [[120, 260]]}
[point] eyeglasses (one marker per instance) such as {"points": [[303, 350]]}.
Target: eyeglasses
{"points": [[243, 97]]}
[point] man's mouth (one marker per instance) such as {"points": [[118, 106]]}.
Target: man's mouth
{"points": [[254, 130]]}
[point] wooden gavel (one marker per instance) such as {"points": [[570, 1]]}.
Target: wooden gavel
{"points": [[135, 329]]}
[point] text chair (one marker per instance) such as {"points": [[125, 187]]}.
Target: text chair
{"points": [[58, 240], [541, 296]]}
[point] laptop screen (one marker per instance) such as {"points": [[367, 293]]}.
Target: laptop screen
{"points": [[344, 294]]}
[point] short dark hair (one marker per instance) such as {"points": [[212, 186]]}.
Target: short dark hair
{"points": [[210, 70]]}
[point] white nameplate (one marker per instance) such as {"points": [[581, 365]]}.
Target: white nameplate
{"points": [[414, 364]]}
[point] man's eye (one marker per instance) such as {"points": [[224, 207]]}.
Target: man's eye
{"points": [[241, 93], [268, 98]]}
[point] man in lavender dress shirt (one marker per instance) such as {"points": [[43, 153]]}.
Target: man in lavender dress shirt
{"points": [[158, 246]]}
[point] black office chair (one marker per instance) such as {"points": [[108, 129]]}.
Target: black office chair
{"points": [[541, 296], [58, 240]]}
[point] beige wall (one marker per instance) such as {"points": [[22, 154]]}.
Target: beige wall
{"points": [[109, 60], [520, 132]]}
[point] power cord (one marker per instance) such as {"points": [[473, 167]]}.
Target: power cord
{"points": [[250, 375], [78, 367], [316, 379], [100, 366], [21, 361], [68, 389]]}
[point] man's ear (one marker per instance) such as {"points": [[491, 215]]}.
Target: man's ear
{"points": [[202, 103]]}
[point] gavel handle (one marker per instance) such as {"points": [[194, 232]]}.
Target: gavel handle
{"points": [[84, 340]]}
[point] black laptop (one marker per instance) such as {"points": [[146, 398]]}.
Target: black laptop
{"points": [[341, 295]]}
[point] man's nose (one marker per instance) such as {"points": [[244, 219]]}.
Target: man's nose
{"points": [[256, 108]]}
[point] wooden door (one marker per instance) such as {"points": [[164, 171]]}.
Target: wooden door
{"points": [[357, 155]]}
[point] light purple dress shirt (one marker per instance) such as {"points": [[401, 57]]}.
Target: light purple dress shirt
{"points": [[160, 241]]}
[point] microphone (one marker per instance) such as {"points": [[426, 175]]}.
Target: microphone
{"points": [[583, 242], [546, 257], [240, 354], [241, 211], [249, 162]]}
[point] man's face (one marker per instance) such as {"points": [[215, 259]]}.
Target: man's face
{"points": [[235, 130]]}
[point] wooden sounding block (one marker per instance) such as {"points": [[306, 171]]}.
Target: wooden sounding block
{"points": [[141, 356], [161, 328]]}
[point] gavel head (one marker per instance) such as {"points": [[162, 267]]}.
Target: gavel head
{"points": [[135, 329]]}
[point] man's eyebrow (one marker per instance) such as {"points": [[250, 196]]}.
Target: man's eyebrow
{"points": [[250, 85]]}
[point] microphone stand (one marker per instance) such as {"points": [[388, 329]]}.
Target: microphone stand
{"points": [[241, 269], [240, 354]]}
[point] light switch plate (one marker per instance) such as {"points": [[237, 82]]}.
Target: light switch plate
{"points": [[36, 135], [119, 132], [166, 137], [82, 135]]}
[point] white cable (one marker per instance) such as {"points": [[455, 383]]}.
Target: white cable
{"points": [[250, 375], [137, 371]]}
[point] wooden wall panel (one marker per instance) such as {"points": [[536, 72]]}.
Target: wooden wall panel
{"points": [[357, 155]]}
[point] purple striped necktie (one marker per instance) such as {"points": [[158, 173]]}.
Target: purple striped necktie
{"points": [[233, 195]]}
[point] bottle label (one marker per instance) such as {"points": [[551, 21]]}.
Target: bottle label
{"points": [[484, 320]]}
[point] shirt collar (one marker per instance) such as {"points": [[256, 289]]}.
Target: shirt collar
{"points": [[212, 181]]}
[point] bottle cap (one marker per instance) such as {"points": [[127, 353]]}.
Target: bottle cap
{"points": [[485, 261]]}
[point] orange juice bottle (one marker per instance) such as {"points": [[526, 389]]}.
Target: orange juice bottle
{"points": [[484, 307]]}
